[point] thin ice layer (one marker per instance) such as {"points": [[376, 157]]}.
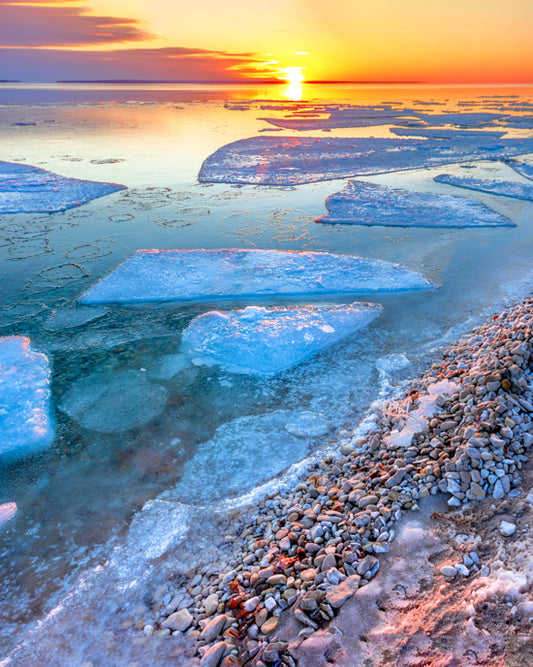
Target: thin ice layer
{"points": [[241, 454], [436, 133], [268, 340], [377, 205], [166, 275], [522, 168], [503, 188], [26, 425], [27, 189], [282, 160]]}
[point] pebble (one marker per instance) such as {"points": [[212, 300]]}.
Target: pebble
{"points": [[507, 528], [179, 620], [448, 571]]}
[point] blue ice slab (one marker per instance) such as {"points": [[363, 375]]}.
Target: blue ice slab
{"points": [[436, 133], [268, 340], [522, 168], [280, 160], [26, 425], [378, 205], [171, 275], [27, 189], [493, 187]]}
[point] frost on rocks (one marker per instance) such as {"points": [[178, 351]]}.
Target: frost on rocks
{"points": [[27, 189], [493, 187], [113, 402], [241, 454], [522, 168], [268, 340], [26, 425], [171, 275], [378, 205], [283, 160]]}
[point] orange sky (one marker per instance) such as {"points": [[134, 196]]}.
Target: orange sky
{"points": [[434, 41]]}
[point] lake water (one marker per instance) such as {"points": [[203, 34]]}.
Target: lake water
{"points": [[77, 500]]}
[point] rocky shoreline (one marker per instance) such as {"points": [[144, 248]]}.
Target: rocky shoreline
{"points": [[463, 428]]}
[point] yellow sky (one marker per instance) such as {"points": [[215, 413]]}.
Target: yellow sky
{"points": [[409, 40]]}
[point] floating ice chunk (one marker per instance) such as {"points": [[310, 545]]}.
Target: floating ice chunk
{"points": [[25, 423], [27, 189], [522, 168], [307, 424], [268, 340], [282, 160], [73, 317], [435, 133], [113, 402], [502, 188], [169, 365], [7, 512], [378, 205], [240, 455], [170, 275]]}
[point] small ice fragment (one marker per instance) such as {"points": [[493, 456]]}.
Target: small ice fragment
{"points": [[502, 188], [157, 527], [168, 366], [113, 402], [26, 425], [166, 275], [369, 204], [308, 424], [266, 341], [73, 317], [27, 189]]}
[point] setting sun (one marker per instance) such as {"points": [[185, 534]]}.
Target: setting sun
{"points": [[294, 77]]}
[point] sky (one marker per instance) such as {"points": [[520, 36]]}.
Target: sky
{"points": [[430, 41]]}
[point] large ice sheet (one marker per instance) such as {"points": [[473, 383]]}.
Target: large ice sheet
{"points": [[243, 453], [436, 133], [167, 275], [26, 425], [378, 205], [112, 402], [282, 160], [27, 189], [522, 168], [503, 188], [268, 340]]}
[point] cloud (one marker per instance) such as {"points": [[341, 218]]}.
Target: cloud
{"points": [[41, 24], [162, 64]]}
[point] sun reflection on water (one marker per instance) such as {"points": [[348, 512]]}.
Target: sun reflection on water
{"points": [[294, 77]]}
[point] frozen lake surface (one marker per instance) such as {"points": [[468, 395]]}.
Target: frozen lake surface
{"points": [[137, 424]]}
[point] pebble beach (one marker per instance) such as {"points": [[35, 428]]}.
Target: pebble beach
{"points": [[459, 435]]}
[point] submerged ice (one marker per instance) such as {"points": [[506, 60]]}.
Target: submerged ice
{"points": [[512, 189], [112, 402], [165, 275], [295, 160], [268, 340], [522, 168], [362, 203], [26, 425], [27, 189]]}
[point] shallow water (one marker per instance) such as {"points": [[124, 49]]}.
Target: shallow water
{"points": [[76, 500]]}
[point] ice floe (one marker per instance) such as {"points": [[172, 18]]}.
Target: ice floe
{"points": [[26, 425], [27, 189], [369, 204], [113, 402], [283, 160], [241, 454], [269, 340], [169, 365], [166, 275], [503, 188], [436, 133], [69, 318]]}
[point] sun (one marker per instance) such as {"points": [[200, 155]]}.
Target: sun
{"points": [[294, 77]]}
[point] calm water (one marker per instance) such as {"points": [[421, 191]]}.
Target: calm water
{"points": [[78, 498]]}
